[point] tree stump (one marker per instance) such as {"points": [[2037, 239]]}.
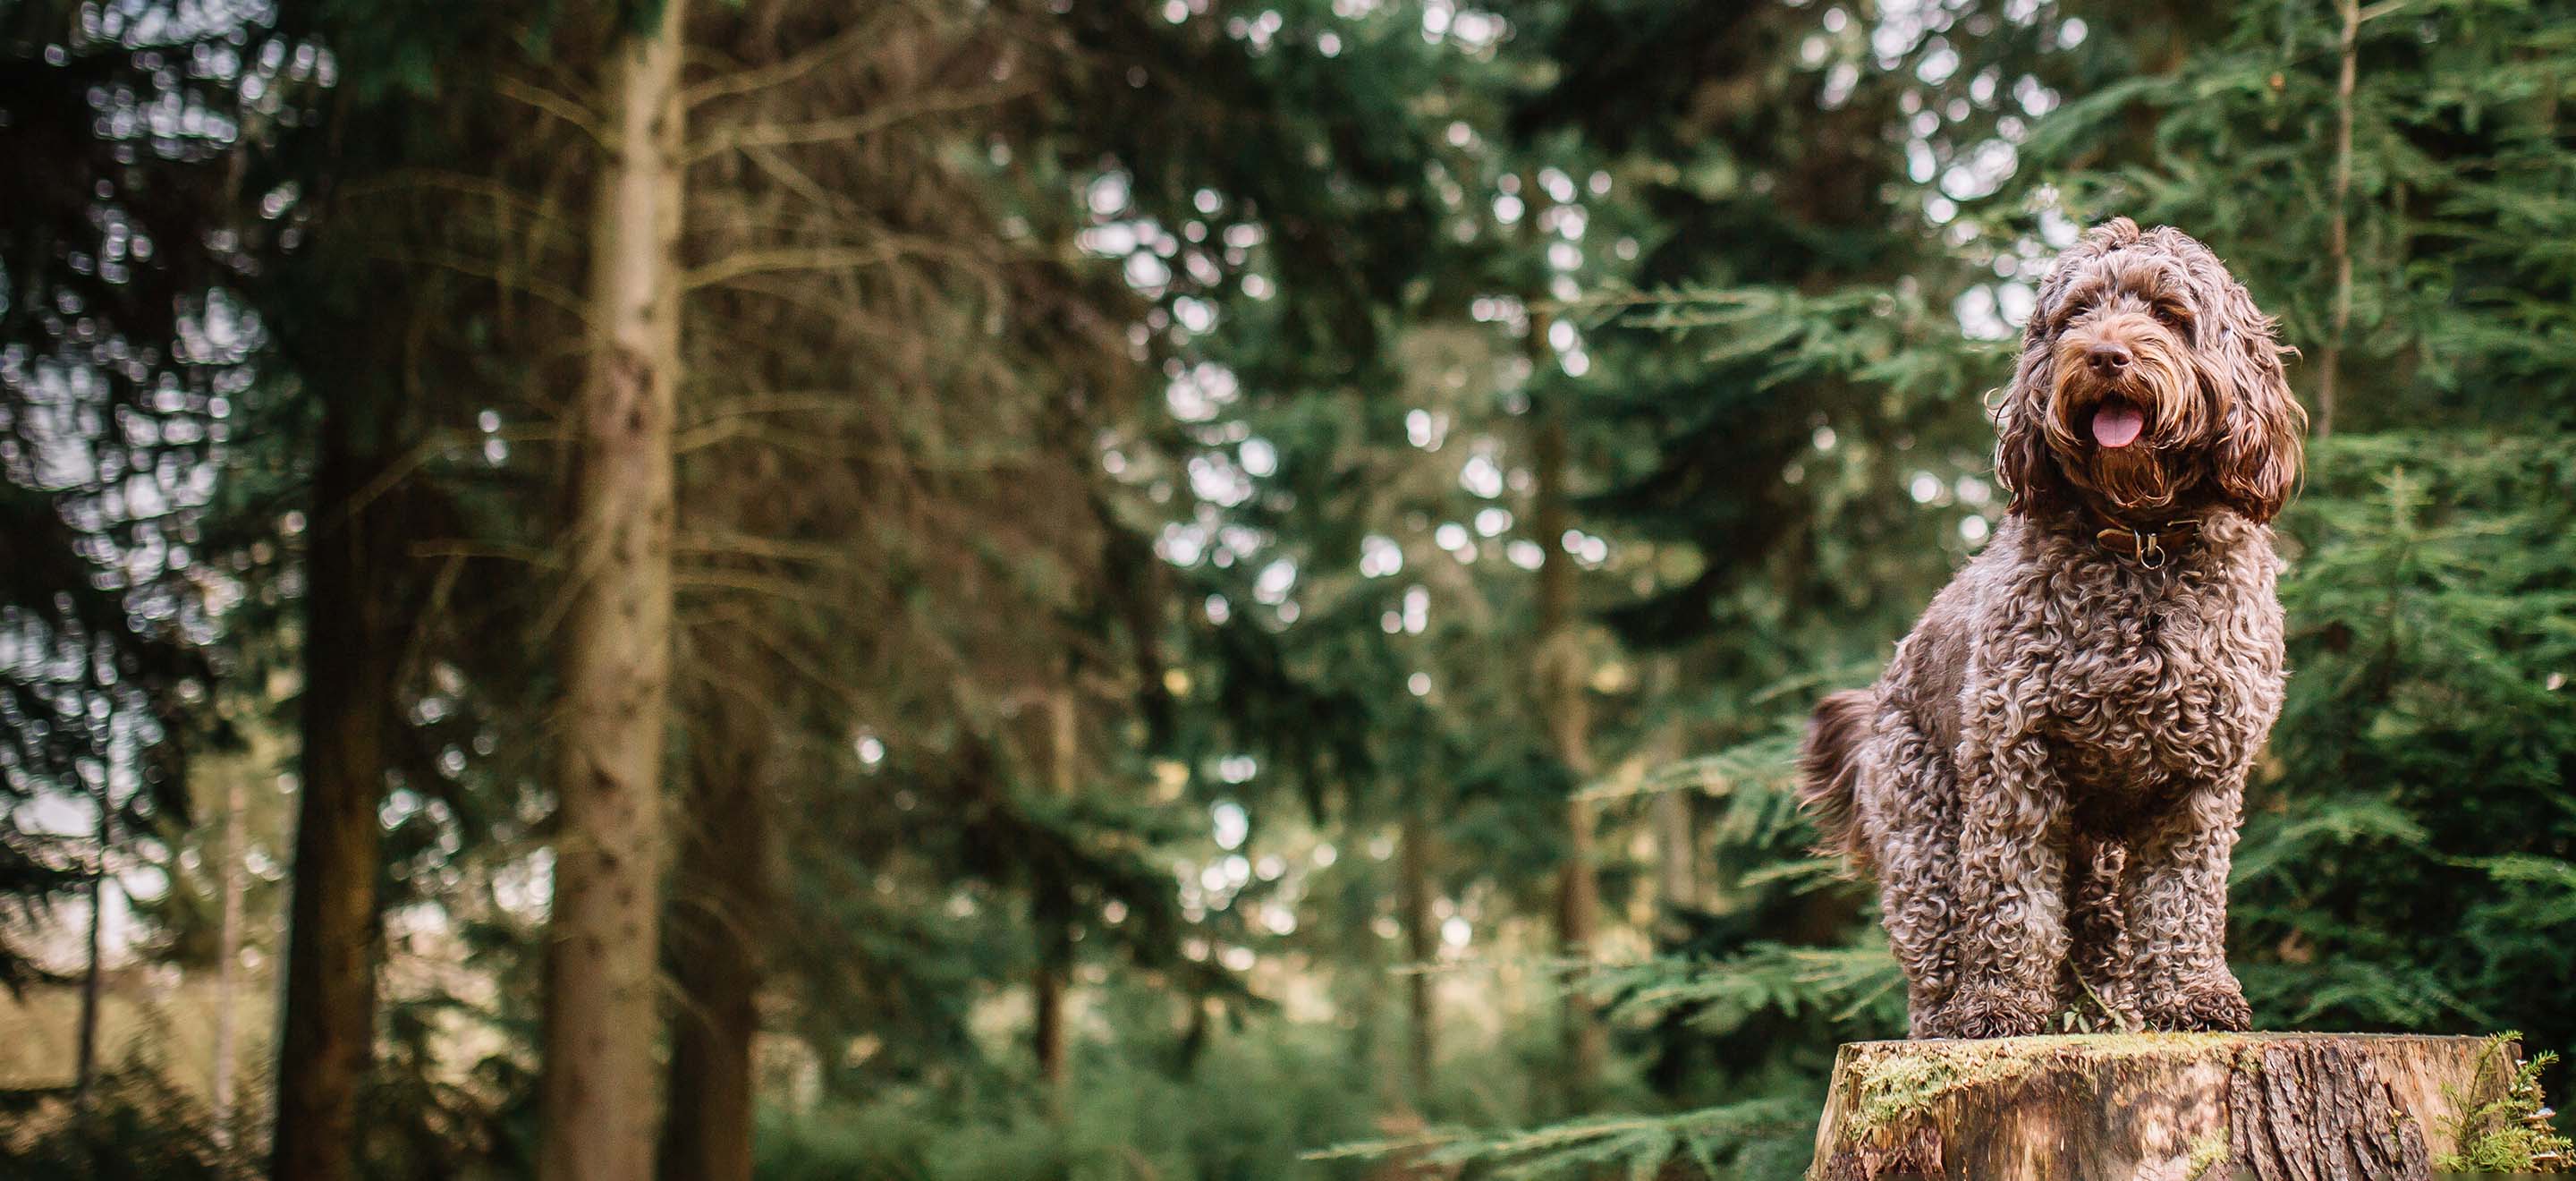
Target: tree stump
{"points": [[2179, 1107]]}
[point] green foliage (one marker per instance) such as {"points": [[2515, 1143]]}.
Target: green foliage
{"points": [[124, 343], [1196, 387], [1723, 1142], [140, 1127], [1844, 984], [2405, 863], [1247, 1106], [2509, 1133], [2459, 175], [2406, 855], [1890, 340]]}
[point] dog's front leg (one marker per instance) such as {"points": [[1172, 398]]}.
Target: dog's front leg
{"points": [[2012, 888], [1912, 808], [2176, 911]]}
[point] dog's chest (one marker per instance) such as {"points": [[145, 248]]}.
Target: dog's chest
{"points": [[2155, 681]]}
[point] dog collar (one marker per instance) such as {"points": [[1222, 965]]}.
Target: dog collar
{"points": [[2151, 549]]}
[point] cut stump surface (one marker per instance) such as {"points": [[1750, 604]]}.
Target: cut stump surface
{"points": [[2157, 1106]]}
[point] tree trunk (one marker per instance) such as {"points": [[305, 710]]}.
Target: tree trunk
{"points": [[1675, 818], [327, 1037], [1047, 1032], [1561, 677], [1051, 904], [1366, 952], [87, 1070], [599, 1098], [228, 960], [2339, 217], [1676, 845], [716, 946], [2165, 1107], [1412, 865]]}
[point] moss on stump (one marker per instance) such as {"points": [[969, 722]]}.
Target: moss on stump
{"points": [[2170, 1107]]}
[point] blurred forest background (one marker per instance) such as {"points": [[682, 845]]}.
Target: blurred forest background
{"points": [[1164, 589]]}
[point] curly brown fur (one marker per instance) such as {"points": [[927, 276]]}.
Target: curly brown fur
{"points": [[2047, 778], [1827, 773]]}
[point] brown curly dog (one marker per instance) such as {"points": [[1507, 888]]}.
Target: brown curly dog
{"points": [[2046, 779]]}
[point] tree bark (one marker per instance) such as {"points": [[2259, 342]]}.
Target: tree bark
{"points": [[1047, 1034], [1676, 850], [86, 1072], [326, 1042], [599, 1098], [720, 899], [1051, 906], [2339, 217], [1412, 865], [228, 961], [2158, 1107], [1560, 673], [1675, 818], [1561, 677]]}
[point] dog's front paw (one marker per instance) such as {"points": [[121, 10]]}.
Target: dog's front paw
{"points": [[2203, 1001], [1996, 1010]]}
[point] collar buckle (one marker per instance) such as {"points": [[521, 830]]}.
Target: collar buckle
{"points": [[2154, 549]]}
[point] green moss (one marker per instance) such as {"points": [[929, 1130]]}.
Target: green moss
{"points": [[2206, 1154], [2505, 1135], [1896, 1085], [1902, 1084]]}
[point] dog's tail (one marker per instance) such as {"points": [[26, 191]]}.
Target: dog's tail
{"points": [[1829, 773]]}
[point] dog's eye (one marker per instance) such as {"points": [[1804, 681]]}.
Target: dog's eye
{"points": [[2173, 315]]}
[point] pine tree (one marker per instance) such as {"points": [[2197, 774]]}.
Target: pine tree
{"points": [[369, 472], [124, 347], [2355, 886]]}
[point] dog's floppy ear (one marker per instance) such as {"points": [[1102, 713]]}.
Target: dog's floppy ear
{"points": [[2262, 427], [2023, 462]]}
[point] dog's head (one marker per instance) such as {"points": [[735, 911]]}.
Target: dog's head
{"points": [[2150, 386]]}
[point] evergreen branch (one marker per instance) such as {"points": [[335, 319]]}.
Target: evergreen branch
{"points": [[780, 73], [433, 446], [848, 127], [559, 106], [734, 543], [537, 556], [488, 188], [1838, 982], [563, 298], [785, 589], [745, 263], [1644, 1145]]}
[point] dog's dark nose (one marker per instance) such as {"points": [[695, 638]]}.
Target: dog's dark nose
{"points": [[2107, 359]]}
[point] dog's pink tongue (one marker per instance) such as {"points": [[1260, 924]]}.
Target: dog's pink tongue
{"points": [[2117, 424]]}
